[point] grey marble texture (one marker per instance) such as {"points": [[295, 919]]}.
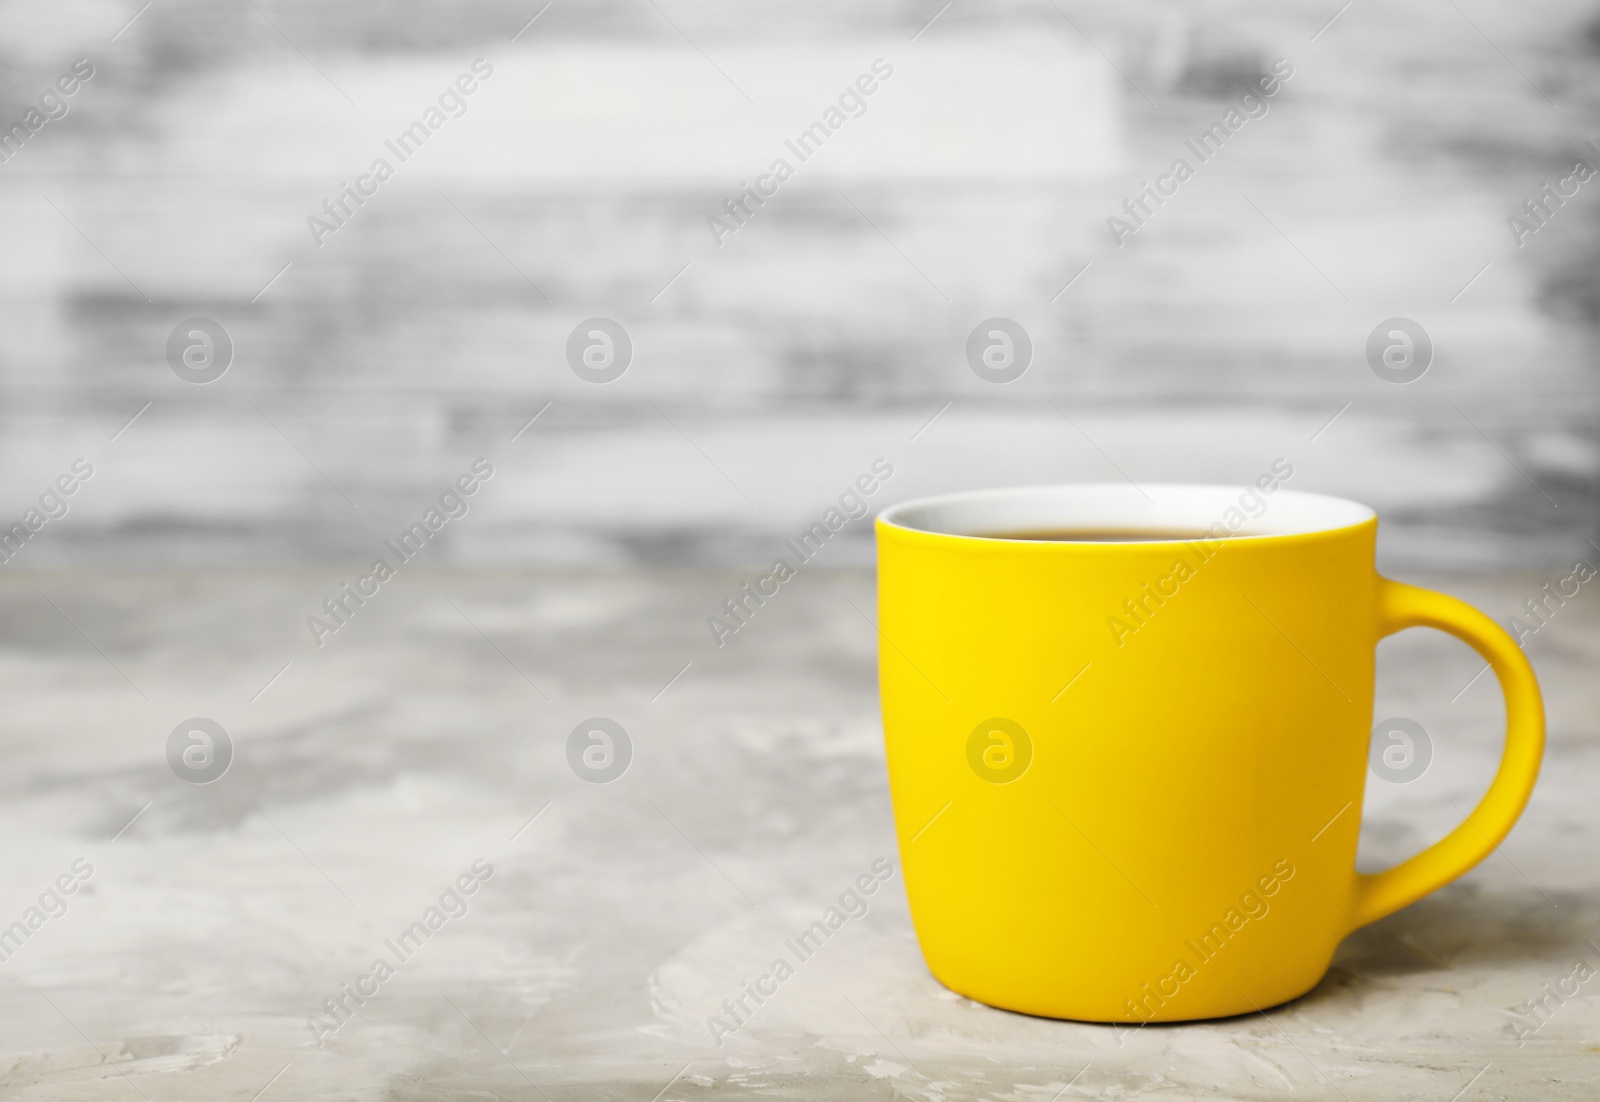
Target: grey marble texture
{"points": [[431, 732]]}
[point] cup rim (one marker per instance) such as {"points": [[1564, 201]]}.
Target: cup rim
{"points": [[1194, 508]]}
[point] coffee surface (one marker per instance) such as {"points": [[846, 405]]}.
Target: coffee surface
{"points": [[1099, 535]]}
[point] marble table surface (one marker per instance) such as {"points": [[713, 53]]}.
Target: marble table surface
{"points": [[403, 794]]}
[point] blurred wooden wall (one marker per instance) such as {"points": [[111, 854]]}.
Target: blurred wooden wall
{"points": [[827, 332]]}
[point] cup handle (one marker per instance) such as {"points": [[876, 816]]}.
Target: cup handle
{"points": [[1403, 606]]}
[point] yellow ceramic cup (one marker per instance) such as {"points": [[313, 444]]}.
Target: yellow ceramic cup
{"points": [[1127, 776]]}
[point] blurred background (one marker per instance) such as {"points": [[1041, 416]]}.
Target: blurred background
{"points": [[373, 363], [552, 169]]}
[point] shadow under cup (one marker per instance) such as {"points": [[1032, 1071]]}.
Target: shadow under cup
{"points": [[1127, 771]]}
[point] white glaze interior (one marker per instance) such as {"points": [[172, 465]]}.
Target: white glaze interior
{"points": [[1156, 507]]}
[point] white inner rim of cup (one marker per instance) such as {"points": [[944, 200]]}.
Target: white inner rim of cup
{"points": [[1158, 508]]}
